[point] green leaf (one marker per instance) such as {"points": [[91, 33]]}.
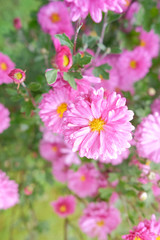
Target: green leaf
{"points": [[100, 71], [112, 17], [64, 40], [70, 79], [51, 76], [115, 50], [105, 193], [80, 60], [11, 91], [77, 75], [90, 41], [33, 86]]}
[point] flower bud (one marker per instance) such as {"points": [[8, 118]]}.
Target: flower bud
{"points": [[63, 58], [151, 92], [17, 23], [142, 196], [17, 75], [151, 176]]}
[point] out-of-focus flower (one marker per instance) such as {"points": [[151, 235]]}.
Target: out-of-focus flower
{"points": [[6, 65], [28, 190], [8, 192], [60, 170], [99, 219], [17, 23], [4, 118], [64, 206], [115, 161], [63, 58], [155, 107], [18, 76]]}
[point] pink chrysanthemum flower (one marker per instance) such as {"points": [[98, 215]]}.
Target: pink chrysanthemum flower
{"points": [[54, 19], [86, 181], [49, 151], [155, 107], [99, 219], [63, 58], [18, 76], [120, 158], [81, 8], [6, 65], [147, 137], [149, 41], [98, 127], [52, 108], [60, 170], [8, 192], [64, 206], [4, 118], [134, 65]]}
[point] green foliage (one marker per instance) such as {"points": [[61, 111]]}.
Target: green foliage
{"points": [[51, 76], [64, 40]]}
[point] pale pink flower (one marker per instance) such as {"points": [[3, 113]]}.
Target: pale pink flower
{"points": [[149, 41], [6, 65], [49, 151], [155, 106], [8, 192], [81, 8], [4, 118], [120, 158], [147, 138], [64, 206], [86, 181], [63, 58], [134, 65], [98, 127], [99, 219], [52, 107], [156, 186], [17, 23], [54, 19], [60, 170]]}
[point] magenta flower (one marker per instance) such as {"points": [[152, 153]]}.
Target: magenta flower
{"points": [[134, 65], [81, 8], [17, 23], [63, 58], [52, 108], [54, 19], [64, 206], [99, 219], [8, 192], [18, 76], [6, 65], [86, 181], [98, 127], [147, 137], [4, 118]]}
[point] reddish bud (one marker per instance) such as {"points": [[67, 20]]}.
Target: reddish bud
{"points": [[17, 75], [17, 23]]}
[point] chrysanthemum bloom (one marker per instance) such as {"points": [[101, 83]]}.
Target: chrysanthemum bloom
{"points": [[6, 65], [98, 127], [64, 206], [99, 219], [17, 23], [155, 106], [18, 76], [54, 19], [63, 58], [60, 170], [85, 181], [81, 8], [149, 41], [134, 65], [4, 118], [147, 138], [8, 192], [49, 151], [120, 158], [52, 108]]}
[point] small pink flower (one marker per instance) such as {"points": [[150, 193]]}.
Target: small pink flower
{"points": [[49, 151], [63, 58], [60, 170], [99, 219], [4, 118], [18, 76], [6, 65], [8, 192], [147, 136], [155, 107], [54, 19], [17, 23], [86, 181], [52, 108], [98, 127], [28, 190], [64, 206]]}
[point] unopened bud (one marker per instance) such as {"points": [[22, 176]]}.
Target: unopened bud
{"points": [[151, 176], [151, 91], [142, 196], [17, 23]]}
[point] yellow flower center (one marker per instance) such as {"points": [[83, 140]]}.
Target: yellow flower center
{"points": [[158, 238], [96, 124], [101, 77], [142, 43], [137, 238], [63, 208], [133, 64], [3, 66], [54, 149], [100, 223], [61, 109], [83, 178], [18, 76], [65, 60], [148, 162], [55, 17], [127, 3]]}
